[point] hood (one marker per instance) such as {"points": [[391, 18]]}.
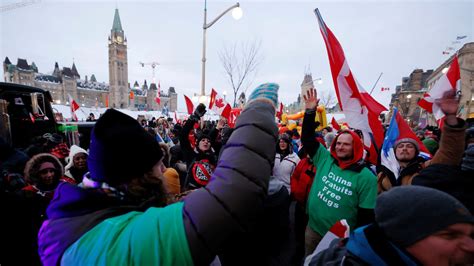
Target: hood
{"points": [[357, 148], [72, 152], [72, 200], [33, 165]]}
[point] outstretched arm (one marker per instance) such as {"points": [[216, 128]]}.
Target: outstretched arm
{"points": [[233, 199], [309, 125]]}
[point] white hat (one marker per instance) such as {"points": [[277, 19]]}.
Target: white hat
{"points": [[72, 152]]}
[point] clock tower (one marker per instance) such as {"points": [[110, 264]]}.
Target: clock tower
{"points": [[118, 66]]}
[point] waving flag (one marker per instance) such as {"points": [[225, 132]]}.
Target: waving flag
{"points": [[340, 229], [398, 129], [74, 106], [387, 157], [360, 109], [219, 105], [157, 99], [335, 124], [189, 105], [280, 111], [449, 81]]}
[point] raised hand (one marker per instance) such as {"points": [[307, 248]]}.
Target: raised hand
{"points": [[449, 104], [200, 110], [311, 99]]}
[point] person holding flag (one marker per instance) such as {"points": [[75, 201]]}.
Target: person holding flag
{"points": [[343, 187], [400, 162]]}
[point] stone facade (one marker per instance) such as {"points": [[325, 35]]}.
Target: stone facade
{"points": [[466, 67], [66, 82], [408, 94], [413, 88]]}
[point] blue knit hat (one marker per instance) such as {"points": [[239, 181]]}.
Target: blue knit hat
{"points": [[266, 90]]}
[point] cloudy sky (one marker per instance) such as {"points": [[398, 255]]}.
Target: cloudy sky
{"points": [[377, 36]]}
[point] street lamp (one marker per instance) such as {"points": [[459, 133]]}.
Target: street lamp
{"points": [[236, 13]]}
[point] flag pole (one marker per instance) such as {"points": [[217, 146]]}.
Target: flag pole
{"points": [[381, 73]]}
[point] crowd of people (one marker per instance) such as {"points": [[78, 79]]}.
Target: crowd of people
{"points": [[201, 192]]}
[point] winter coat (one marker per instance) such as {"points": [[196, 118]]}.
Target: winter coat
{"points": [[284, 167], [87, 227], [450, 179], [365, 246], [302, 179], [450, 152], [200, 165]]}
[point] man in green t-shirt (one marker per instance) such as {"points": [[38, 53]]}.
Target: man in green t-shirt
{"points": [[343, 187]]}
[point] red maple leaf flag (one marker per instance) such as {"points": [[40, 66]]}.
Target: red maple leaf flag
{"points": [[360, 109], [176, 118], [449, 81], [219, 105], [334, 124], [157, 99], [189, 105], [74, 106], [280, 111]]}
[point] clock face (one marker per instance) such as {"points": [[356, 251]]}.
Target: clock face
{"points": [[119, 39]]}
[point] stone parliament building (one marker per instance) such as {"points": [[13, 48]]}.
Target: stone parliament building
{"points": [[87, 91]]}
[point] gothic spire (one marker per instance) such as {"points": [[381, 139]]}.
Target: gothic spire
{"points": [[117, 26]]}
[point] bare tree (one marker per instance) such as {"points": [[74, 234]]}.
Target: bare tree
{"points": [[241, 62], [328, 99]]}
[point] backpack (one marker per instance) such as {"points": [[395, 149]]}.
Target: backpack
{"points": [[302, 179]]}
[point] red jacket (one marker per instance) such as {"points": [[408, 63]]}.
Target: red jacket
{"points": [[302, 179]]}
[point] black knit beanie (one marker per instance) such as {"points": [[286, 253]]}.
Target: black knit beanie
{"points": [[407, 214], [120, 149]]}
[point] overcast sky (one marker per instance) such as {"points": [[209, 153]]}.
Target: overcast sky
{"points": [[377, 36]]}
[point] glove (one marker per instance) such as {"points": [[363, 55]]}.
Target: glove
{"points": [[200, 110], [268, 91]]}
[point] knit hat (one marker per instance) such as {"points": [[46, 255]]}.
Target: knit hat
{"points": [[408, 214], [172, 182], [46, 165], [72, 152], [285, 137], [54, 138], [120, 149], [409, 140], [266, 90], [201, 137], [431, 145]]}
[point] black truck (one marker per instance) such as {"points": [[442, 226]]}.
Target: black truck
{"points": [[26, 112]]}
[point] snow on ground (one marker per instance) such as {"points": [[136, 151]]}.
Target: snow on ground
{"points": [[83, 112]]}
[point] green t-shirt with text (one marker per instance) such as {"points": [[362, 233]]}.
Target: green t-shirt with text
{"points": [[337, 194]]}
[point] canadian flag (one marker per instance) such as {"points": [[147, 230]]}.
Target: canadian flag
{"points": [[157, 99], [335, 124], [449, 81], [219, 105], [339, 230], [280, 111], [360, 109], [74, 106], [189, 105]]}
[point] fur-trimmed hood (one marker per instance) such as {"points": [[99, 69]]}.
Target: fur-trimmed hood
{"points": [[33, 165]]}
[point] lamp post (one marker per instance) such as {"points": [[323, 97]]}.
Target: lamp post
{"points": [[237, 14]]}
